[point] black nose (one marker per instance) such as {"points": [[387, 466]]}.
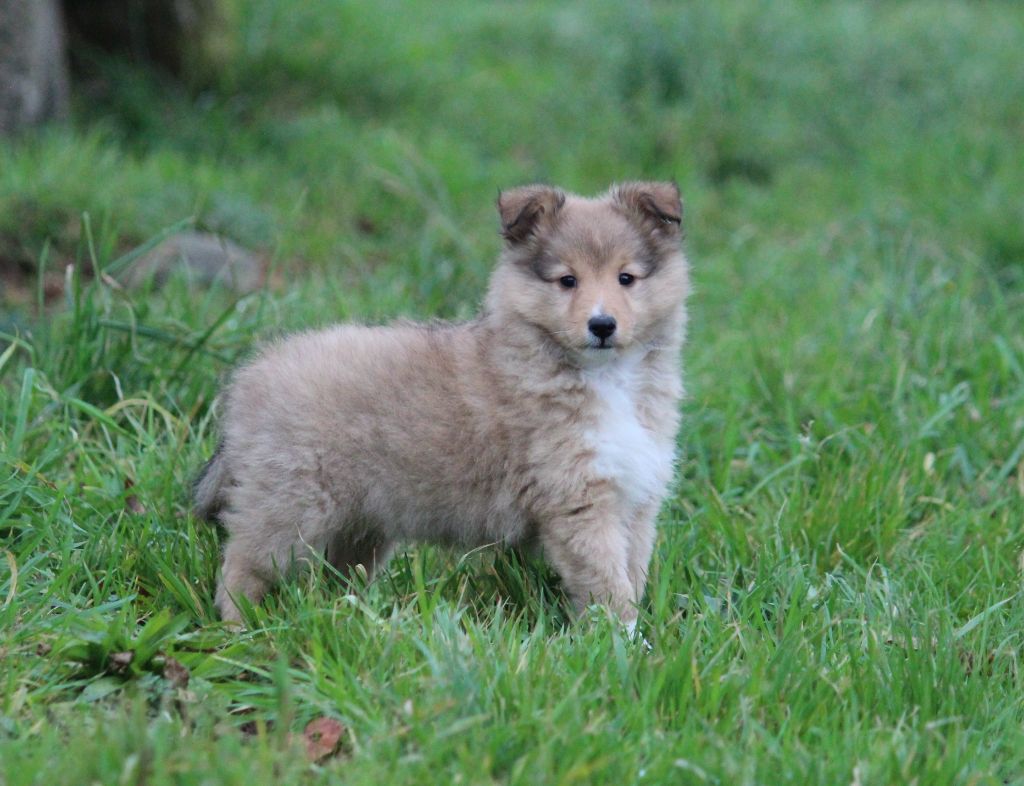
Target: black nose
{"points": [[602, 326]]}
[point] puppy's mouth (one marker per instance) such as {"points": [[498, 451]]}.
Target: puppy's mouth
{"points": [[601, 343]]}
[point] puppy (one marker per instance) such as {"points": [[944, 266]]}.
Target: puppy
{"points": [[549, 420]]}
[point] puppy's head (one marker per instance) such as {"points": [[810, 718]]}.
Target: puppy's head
{"points": [[599, 276]]}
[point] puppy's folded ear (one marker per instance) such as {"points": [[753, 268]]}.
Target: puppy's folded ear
{"points": [[657, 205], [525, 209]]}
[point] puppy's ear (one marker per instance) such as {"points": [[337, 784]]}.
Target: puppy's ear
{"points": [[525, 209], [656, 205]]}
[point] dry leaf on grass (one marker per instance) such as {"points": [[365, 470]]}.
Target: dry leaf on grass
{"points": [[322, 738]]}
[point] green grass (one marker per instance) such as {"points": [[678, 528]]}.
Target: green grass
{"points": [[838, 591]]}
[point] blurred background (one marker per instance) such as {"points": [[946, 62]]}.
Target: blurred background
{"points": [[371, 138]]}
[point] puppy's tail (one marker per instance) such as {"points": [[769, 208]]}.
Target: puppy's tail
{"points": [[207, 490]]}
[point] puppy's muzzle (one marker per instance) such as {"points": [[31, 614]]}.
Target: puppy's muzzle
{"points": [[602, 328]]}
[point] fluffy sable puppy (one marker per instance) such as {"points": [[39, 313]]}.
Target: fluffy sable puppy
{"points": [[548, 420]]}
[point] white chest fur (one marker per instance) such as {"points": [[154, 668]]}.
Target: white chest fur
{"points": [[635, 459]]}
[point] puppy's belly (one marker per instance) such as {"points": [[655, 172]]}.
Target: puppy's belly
{"points": [[446, 514]]}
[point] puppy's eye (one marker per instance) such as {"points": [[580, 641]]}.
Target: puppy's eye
{"points": [[568, 282], [626, 279]]}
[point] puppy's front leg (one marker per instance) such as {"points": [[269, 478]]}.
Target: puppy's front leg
{"points": [[642, 534], [589, 548]]}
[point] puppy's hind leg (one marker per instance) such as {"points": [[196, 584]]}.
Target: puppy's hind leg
{"points": [[260, 551], [240, 577]]}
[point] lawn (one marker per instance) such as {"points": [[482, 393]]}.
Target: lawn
{"points": [[837, 596]]}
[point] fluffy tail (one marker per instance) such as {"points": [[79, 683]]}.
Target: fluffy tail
{"points": [[207, 498]]}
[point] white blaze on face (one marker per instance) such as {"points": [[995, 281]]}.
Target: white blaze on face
{"points": [[598, 309]]}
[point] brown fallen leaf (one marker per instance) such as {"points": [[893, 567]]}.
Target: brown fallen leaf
{"points": [[176, 673], [322, 737]]}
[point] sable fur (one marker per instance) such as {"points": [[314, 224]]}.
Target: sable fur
{"points": [[512, 428]]}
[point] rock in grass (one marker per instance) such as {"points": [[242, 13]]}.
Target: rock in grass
{"points": [[203, 258]]}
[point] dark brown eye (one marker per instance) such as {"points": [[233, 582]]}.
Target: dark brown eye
{"points": [[569, 282], [626, 279]]}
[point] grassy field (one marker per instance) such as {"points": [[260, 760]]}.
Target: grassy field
{"points": [[838, 592]]}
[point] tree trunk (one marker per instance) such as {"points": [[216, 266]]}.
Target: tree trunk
{"points": [[33, 66]]}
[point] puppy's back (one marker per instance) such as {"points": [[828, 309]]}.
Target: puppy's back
{"points": [[397, 417]]}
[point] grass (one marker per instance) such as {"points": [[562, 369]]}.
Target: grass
{"points": [[837, 591]]}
